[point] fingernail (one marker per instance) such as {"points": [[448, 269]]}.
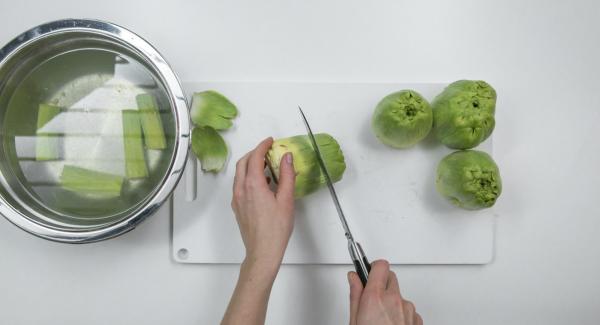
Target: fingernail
{"points": [[288, 157]]}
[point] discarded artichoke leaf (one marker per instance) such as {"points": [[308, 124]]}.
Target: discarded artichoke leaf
{"points": [[210, 148], [210, 108]]}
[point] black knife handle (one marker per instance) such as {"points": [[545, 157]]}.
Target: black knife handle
{"points": [[361, 263], [367, 264], [361, 273]]}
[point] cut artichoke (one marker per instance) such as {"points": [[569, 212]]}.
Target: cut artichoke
{"points": [[154, 134], [135, 159], [87, 181], [309, 176], [46, 143]]}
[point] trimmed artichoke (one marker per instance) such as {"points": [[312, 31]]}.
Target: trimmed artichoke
{"points": [[463, 114], [210, 108], [210, 148], [469, 179], [402, 119], [309, 176]]}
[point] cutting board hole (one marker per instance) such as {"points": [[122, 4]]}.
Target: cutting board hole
{"points": [[183, 254]]}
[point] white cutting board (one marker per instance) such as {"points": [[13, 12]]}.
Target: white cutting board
{"points": [[388, 195]]}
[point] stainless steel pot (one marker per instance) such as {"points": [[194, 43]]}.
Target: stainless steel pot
{"points": [[48, 40]]}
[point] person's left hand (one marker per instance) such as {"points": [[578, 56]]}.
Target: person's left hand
{"points": [[266, 219]]}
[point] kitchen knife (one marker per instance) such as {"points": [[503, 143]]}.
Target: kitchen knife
{"points": [[361, 263]]}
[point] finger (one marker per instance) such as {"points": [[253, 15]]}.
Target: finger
{"points": [[356, 289], [378, 276], [240, 175], [256, 161], [392, 284], [287, 180], [419, 320], [409, 312]]}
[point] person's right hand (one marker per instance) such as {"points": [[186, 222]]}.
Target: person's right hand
{"points": [[380, 302]]}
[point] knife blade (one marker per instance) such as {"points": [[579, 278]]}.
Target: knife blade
{"points": [[359, 259]]}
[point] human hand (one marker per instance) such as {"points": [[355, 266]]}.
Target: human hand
{"points": [[380, 302], [266, 219]]}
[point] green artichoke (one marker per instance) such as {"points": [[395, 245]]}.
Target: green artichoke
{"points": [[309, 176], [469, 179], [402, 119], [463, 114]]}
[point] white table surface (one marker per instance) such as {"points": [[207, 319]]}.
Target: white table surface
{"points": [[541, 56]]}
